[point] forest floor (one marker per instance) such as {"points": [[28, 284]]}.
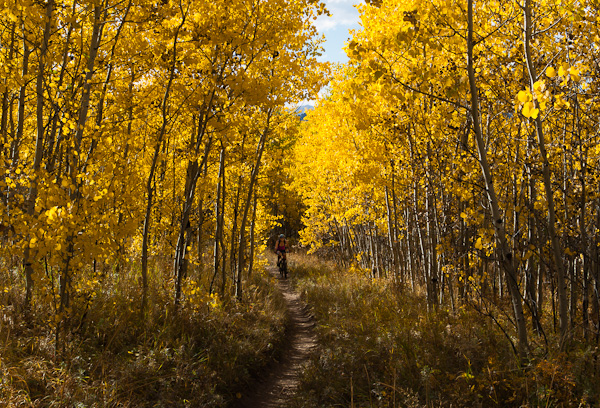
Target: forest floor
{"points": [[277, 385]]}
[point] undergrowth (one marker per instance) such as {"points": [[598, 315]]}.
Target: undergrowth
{"points": [[201, 356], [381, 347]]}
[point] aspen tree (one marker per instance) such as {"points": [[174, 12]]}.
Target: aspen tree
{"points": [[557, 252], [503, 249], [184, 10]]}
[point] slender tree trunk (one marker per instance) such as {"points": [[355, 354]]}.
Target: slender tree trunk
{"points": [[557, 251], [39, 147], [121, 243], [352, 245], [55, 136], [193, 172], [6, 93], [87, 85], [107, 82], [400, 262], [252, 235], [150, 182], [201, 219], [218, 220], [391, 233], [222, 236], [431, 237], [378, 263], [233, 242], [253, 177], [410, 249], [504, 253], [64, 291], [532, 266], [585, 302], [596, 277], [372, 265], [21, 107], [583, 232]]}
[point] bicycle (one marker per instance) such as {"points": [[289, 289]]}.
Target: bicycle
{"points": [[283, 270]]}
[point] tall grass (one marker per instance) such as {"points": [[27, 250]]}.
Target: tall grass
{"points": [[380, 347], [203, 355]]}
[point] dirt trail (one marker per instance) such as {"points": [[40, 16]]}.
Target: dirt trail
{"points": [[279, 384]]}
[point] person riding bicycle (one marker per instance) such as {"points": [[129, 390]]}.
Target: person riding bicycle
{"points": [[280, 248]]}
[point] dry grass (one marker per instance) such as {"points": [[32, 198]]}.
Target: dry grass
{"points": [[381, 348], [200, 356]]}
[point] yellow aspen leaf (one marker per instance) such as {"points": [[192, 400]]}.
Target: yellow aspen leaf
{"points": [[562, 71], [560, 101], [574, 74], [478, 244], [522, 96], [550, 72], [534, 113], [526, 111]]}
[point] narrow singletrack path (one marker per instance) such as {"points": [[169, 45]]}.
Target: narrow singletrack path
{"points": [[278, 386]]}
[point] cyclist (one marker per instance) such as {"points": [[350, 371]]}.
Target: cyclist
{"points": [[280, 248]]}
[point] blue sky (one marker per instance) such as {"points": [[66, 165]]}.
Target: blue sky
{"points": [[344, 17]]}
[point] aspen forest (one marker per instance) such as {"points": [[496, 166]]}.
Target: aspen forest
{"points": [[441, 204]]}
